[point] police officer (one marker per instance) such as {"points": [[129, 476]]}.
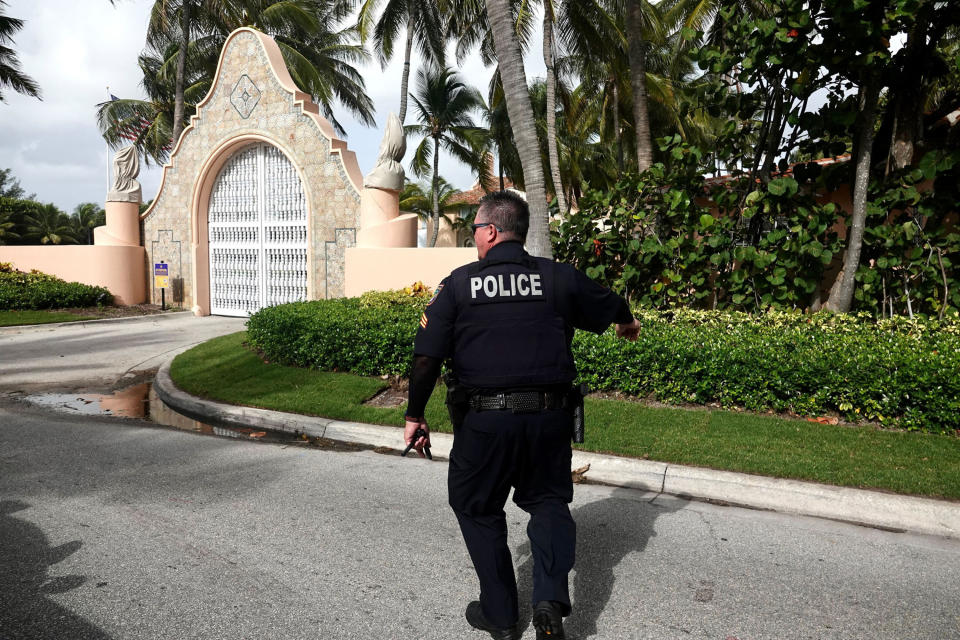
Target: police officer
{"points": [[506, 322]]}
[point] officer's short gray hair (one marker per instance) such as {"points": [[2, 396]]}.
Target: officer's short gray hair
{"points": [[508, 211]]}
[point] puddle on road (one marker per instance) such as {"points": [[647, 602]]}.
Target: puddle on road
{"points": [[131, 402], [142, 401]]}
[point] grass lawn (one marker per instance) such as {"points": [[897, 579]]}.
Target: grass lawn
{"points": [[867, 457], [11, 318]]}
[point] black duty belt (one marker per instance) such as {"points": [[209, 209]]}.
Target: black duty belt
{"points": [[520, 401]]}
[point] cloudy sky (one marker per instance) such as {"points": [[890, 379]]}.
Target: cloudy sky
{"points": [[75, 49]]}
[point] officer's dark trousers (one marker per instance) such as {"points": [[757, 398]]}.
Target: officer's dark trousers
{"points": [[492, 451]]}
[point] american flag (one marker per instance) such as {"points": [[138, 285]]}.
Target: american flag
{"points": [[133, 129]]}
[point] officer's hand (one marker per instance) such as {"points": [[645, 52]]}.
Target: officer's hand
{"points": [[630, 331], [410, 428]]}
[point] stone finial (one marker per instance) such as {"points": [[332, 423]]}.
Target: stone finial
{"points": [[126, 168], [388, 172]]}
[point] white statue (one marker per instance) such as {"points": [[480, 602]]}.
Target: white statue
{"points": [[388, 172], [126, 168]]}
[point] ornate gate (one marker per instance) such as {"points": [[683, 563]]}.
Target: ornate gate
{"points": [[258, 233]]}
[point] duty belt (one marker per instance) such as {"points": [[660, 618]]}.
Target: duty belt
{"points": [[520, 401]]}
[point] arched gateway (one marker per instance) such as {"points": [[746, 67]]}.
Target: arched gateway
{"points": [[260, 200]]}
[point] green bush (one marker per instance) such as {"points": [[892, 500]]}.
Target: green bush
{"points": [[19, 290], [897, 372], [372, 335]]}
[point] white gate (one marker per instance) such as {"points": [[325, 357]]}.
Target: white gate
{"points": [[258, 233]]}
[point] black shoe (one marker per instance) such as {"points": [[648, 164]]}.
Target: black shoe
{"points": [[477, 620], [548, 620]]}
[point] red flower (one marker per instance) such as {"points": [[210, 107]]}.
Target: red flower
{"points": [[793, 33], [597, 245]]}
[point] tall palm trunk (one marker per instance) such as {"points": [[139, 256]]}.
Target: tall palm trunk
{"points": [[552, 109], [404, 79], [435, 214], [841, 294], [638, 81], [520, 111], [616, 123], [181, 71]]}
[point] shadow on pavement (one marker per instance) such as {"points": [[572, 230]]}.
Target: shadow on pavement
{"points": [[25, 559], [608, 530]]}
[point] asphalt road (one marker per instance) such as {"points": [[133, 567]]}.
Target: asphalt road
{"points": [[95, 355], [113, 528]]}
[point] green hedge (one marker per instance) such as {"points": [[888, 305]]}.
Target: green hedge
{"points": [[19, 290], [371, 335], [897, 372]]}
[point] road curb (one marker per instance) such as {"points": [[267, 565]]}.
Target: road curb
{"points": [[21, 328], [856, 506]]}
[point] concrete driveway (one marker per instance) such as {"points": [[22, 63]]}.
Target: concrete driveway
{"points": [[98, 355]]}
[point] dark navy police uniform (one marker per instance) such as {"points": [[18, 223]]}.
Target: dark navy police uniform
{"points": [[506, 322]]}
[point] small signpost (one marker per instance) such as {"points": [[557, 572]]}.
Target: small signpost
{"points": [[161, 280]]}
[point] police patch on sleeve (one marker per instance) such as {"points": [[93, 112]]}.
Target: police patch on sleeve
{"points": [[506, 287], [435, 294]]}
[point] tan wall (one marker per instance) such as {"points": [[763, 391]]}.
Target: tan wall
{"points": [[175, 226], [119, 269], [370, 269], [447, 236]]}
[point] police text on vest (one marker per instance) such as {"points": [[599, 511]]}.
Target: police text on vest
{"points": [[506, 285]]}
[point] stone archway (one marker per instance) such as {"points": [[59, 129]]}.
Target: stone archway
{"points": [[253, 101]]}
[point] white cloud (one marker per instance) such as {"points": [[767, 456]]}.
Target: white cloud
{"points": [[74, 50]]}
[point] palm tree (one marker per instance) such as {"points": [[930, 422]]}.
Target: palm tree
{"points": [[641, 17], [86, 217], [549, 57], [174, 21], [417, 198], [10, 74], [48, 225], [319, 53], [8, 225], [443, 104], [507, 45], [501, 136], [148, 124], [421, 20]]}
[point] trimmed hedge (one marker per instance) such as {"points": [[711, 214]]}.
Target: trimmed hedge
{"points": [[35, 290], [370, 336], [897, 372]]}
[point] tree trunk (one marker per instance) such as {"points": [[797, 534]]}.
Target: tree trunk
{"points": [[638, 82], [908, 112], [181, 71], [520, 111], [405, 78], [435, 215], [616, 123], [552, 110], [841, 294]]}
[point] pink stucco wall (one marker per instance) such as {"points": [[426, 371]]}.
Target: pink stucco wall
{"points": [[373, 269], [119, 269]]}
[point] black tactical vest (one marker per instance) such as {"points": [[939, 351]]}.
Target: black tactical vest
{"points": [[510, 331]]}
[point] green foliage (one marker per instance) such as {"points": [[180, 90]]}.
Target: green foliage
{"points": [[19, 290], [653, 238], [911, 241], [889, 371], [368, 336]]}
